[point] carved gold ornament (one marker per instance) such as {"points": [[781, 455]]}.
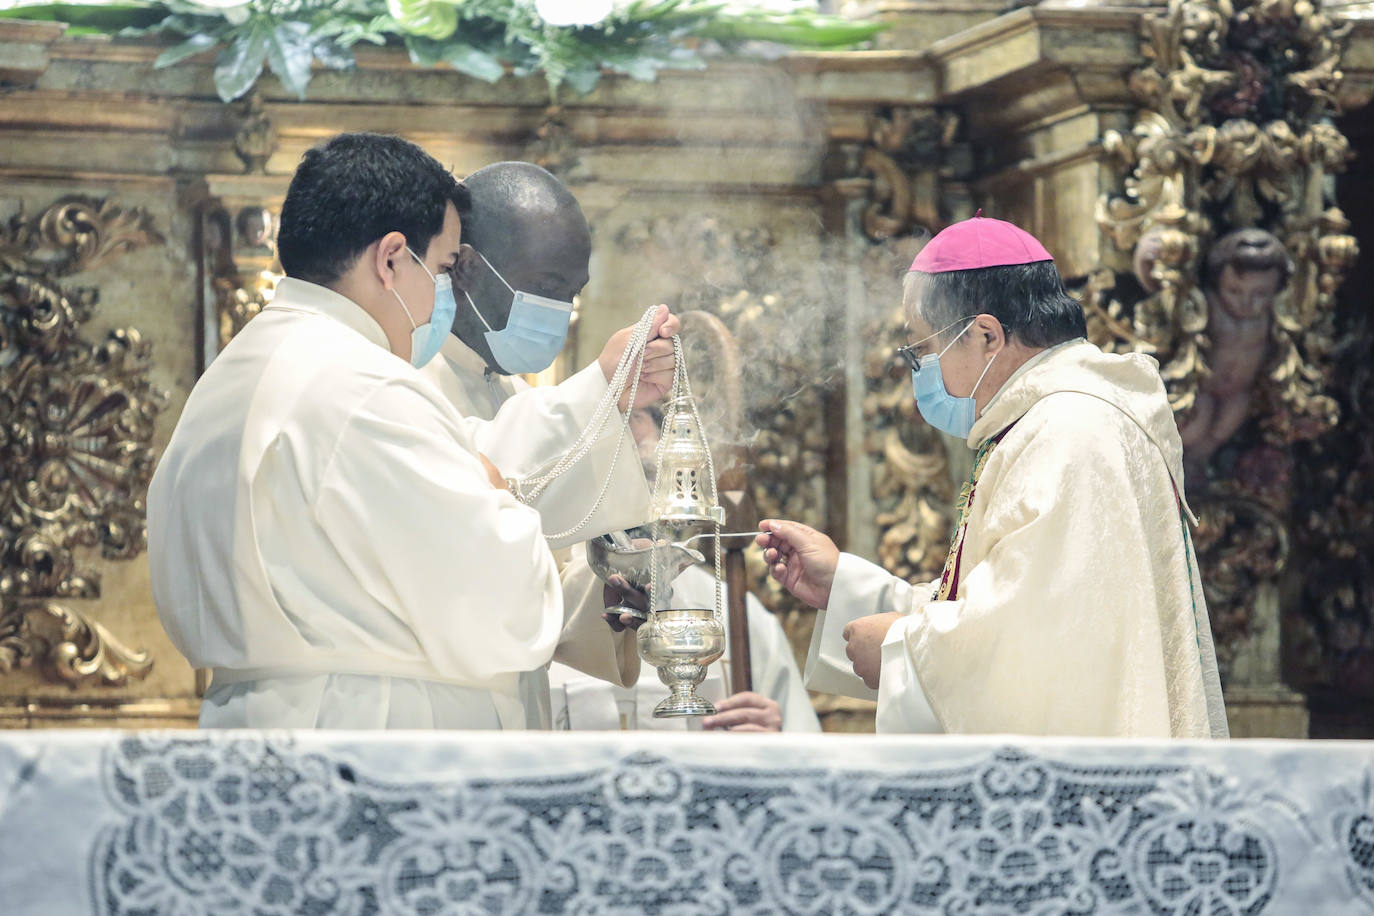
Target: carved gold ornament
{"points": [[238, 255], [76, 423], [238, 298], [906, 173], [1234, 133]]}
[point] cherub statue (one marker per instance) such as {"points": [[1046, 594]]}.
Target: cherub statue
{"points": [[1243, 274]]}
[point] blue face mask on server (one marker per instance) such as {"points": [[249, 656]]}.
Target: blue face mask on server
{"points": [[427, 338], [938, 407], [534, 333]]}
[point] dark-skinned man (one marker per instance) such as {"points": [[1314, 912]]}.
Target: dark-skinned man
{"points": [[532, 247]]}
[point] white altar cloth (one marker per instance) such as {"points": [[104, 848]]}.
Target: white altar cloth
{"points": [[173, 823]]}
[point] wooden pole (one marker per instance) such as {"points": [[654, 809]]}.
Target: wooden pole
{"points": [[739, 516]]}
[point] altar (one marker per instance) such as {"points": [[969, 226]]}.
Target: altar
{"points": [[174, 823]]}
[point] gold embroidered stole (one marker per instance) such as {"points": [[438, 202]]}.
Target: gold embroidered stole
{"points": [[948, 589]]}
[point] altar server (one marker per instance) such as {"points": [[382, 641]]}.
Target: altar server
{"points": [[323, 532], [532, 248], [1070, 603]]}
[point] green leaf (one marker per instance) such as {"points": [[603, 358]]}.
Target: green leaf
{"points": [[188, 48], [643, 69], [474, 62], [384, 23], [638, 39], [795, 30], [423, 52], [352, 38], [106, 17], [241, 62], [583, 79], [426, 18], [333, 28], [678, 12], [235, 12], [345, 33], [290, 53], [181, 25], [334, 55]]}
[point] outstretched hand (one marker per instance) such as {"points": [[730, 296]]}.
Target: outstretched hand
{"points": [[801, 558], [745, 712], [656, 373]]}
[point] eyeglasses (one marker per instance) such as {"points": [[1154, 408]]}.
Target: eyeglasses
{"points": [[909, 355]]}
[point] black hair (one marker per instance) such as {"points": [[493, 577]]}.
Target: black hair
{"points": [[1028, 299], [353, 189]]}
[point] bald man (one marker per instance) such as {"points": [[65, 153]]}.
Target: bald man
{"points": [[532, 249]]}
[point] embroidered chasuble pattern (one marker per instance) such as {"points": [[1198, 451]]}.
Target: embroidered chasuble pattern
{"points": [[948, 589]]}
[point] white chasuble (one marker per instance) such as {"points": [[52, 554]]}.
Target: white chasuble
{"points": [[1076, 608], [323, 535], [523, 431]]}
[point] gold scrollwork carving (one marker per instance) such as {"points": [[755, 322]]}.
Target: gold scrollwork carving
{"points": [[907, 173], [1234, 137], [75, 439], [1244, 542], [1216, 147], [238, 252], [65, 644], [237, 300]]}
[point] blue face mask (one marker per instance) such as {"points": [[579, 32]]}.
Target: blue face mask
{"points": [[534, 333], [426, 339], [938, 407]]}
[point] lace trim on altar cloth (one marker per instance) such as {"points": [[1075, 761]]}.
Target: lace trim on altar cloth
{"points": [[266, 827]]}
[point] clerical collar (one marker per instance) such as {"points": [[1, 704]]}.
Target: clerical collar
{"points": [[300, 295], [465, 359]]}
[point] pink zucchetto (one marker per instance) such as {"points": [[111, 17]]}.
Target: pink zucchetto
{"points": [[979, 242]]}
